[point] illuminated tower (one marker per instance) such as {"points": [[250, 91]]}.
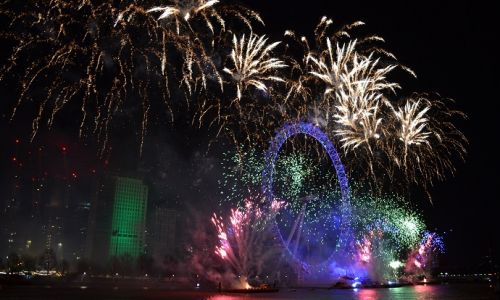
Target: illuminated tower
{"points": [[128, 217]]}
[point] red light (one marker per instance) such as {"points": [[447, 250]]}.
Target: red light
{"points": [[14, 158], [63, 148], [17, 141], [74, 174]]}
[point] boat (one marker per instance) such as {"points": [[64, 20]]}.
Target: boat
{"points": [[346, 282]]}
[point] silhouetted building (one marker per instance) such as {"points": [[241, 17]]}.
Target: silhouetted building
{"points": [[99, 228], [163, 232]]}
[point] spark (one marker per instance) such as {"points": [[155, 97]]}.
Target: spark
{"points": [[354, 84], [92, 55], [252, 63], [413, 123], [425, 140], [101, 57], [185, 10], [242, 241]]}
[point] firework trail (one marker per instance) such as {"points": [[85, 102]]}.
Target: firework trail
{"points": [[192, 18], [425, 139], [184, 11], [420, 260], [384, 228], [251, 69], [107, 58], [245, 241], [252, 63], [341, 84], [111, 60], [77, 47]]}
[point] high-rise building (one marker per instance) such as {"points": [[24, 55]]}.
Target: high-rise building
{"points": [[117, 219], [129, 217], [99, 227], [163, 232]]}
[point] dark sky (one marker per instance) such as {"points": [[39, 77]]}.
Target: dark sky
{"points": [[451, 47], [449, 44]]}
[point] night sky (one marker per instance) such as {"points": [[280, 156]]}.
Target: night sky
{"points": [[449, 44]]}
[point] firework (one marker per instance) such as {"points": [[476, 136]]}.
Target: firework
{"points": [[310, 219], [382, 228], [186, 10], [245, 241], [341, 85], [115, 57], [183, 12], [354, 99], [86, 51], [425, 138], [297, 176], [391, 214], [108, 58], [385, 230], [252, 63], [419, 262]]}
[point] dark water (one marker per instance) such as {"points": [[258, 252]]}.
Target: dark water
{"points": [[429, 292]]}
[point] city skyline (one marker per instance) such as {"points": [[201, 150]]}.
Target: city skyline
{"points": [[48, 184]]}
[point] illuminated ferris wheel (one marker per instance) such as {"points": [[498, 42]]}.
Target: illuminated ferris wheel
{"points": [[295, 240]]}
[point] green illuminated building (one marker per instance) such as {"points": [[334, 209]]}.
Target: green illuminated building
{"points": [[128, 217]]}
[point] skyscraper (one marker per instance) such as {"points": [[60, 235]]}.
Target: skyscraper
{"points": [[163, 235], [117, 219], [129, 217]]}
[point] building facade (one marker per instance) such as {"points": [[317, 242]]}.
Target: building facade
{"points": [[129, 217], [163, 232], [117, 221]]}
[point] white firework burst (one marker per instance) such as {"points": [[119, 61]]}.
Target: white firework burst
{"points": [[184, 10], [412, 120], [253, 64]]}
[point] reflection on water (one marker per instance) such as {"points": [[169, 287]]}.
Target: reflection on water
{"points": [[419, 292]]}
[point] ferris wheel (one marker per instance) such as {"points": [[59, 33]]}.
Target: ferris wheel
{"points": [[295, 239]]}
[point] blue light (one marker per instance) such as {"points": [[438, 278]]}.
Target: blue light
{"points": [[283, 134]]}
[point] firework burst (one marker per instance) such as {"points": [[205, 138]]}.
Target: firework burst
{"points": [[245, 241], [109, 58], [253, 64], [420, 259], [184, 11], [251, 71], [425, 138], [89, 51], [342, 85]]}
